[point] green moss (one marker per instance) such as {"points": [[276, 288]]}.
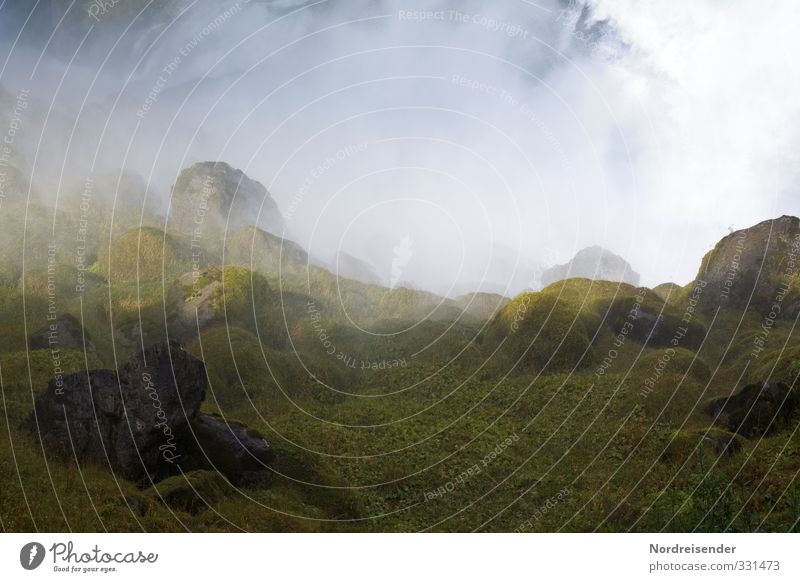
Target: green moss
{"points": [[687, 442], [144, 254], [191, 492], [538, 331], [676, 361]]}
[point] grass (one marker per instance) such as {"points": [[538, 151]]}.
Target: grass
{"points": [[527, 413]]}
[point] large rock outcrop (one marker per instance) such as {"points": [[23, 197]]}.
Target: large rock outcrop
{"points": [[211, 197], [755, 267], [593, 263], [144, 422]]}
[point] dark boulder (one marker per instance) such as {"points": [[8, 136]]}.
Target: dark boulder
{"points": [[162, 388], [234, 450], [65, 332], [757, 409], [78, 415], [143, 421]]}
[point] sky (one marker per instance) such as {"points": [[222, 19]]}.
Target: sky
{"points": [[453, 145]]}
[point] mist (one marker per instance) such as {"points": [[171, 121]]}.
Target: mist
{"points": [[453, 146]]}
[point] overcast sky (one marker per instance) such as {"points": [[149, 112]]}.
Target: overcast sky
{"points": [[482, 139]]}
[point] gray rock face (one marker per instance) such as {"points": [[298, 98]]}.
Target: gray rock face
{"points": [[593, 263], [748, 267], [756, 409], [65, 332], [143, 421], [210, 197]]}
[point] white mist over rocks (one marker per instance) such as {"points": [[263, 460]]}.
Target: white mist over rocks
{"points": [[449, 145]]}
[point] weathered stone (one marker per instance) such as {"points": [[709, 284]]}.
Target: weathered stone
{"points": [[143, 421], [231, 448], [753, 267]]}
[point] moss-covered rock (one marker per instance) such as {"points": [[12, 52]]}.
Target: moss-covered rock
{"points": [[750, 267], [232, 296]]}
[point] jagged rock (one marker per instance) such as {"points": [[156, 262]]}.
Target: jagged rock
{"points": [[760, 408], [593, 263], [65, 332], [240, 453], [211, 197], [78, 413], [749, 267], [143, 421]]}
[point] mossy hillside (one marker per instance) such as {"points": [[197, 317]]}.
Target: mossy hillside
{"points": [[539, 333], [191, 492], [631, 314], [264, 252], [363, 303], [58, 494], [481, 307], [688, 442], [33, 236], [221, 296], [62, 280], [240, 370], [676, 361], [671, 293], [144, 254]]}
